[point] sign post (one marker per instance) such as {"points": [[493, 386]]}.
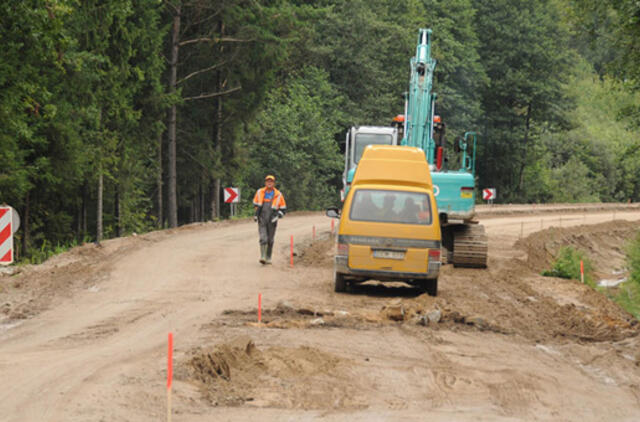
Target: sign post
{"points": [[489, 194], [9, 223], [232, 196]]}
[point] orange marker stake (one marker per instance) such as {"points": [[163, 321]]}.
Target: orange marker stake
{"points": [[291, 253], [333, 222], [582, 272], [169, 375], [259, 308]]}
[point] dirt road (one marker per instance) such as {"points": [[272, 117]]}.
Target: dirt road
{"points": [[84, 335]]}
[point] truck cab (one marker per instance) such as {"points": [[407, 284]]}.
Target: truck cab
{"points": [[389, 227], [358, 137]]}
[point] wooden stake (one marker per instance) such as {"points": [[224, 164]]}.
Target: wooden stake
{"points": [[291, 253], [169, 375], [259, 308]]}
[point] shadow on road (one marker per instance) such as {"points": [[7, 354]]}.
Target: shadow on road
{"points": [[385, 290]]}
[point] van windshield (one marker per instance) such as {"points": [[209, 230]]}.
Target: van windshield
{"points": [[391, 206], [364, 139]]}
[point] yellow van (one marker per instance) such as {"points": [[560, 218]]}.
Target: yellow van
{"points": [[389, 228]]}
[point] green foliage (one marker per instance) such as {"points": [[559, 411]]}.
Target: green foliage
{"points": [[292, 138], [524, 48], [567, 265], [548, 84], [633, 260], [628, 297]]}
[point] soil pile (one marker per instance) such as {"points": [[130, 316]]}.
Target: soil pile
{"points": [[509, 297], [238, 373], [603, 243]]}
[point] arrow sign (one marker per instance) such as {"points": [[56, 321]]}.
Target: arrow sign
{"points": [[489, 194], [231, 195]]}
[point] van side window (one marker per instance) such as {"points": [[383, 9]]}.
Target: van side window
{"points": [[390, 206]]}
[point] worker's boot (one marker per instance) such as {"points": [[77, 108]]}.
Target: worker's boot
{"points": [[269, 251], [263, 253]]}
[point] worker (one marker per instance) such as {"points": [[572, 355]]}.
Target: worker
{"points": [[269, 207]]}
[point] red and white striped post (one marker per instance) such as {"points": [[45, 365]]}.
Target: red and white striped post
{"points": [[6, 235], [582, 271]]}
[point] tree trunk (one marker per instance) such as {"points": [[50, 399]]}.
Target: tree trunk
{"points": [[217, 142], [160, 223], [99, 207], [25, 226], [117, 211], [526, 147], [84, 209], [173, 196], [202, 215], [214, 194]]}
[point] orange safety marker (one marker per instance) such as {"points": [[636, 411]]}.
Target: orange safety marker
{"points": [[313, 234], [259, 308], [582, 271], [333, 222], [291, 253], [169, 375]]}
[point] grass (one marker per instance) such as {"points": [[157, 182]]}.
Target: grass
{"points": [[46, 251], [628, 296], [567, 265]]}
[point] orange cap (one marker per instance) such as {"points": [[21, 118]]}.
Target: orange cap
{"points": [[436, 119]]}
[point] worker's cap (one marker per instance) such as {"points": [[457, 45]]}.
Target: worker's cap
{"points": [[270, 177]]}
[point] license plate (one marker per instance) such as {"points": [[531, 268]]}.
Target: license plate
{"points": [[381, 253], [464, 194]]}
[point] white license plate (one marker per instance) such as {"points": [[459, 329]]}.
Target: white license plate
{"points": [[377, 253]]}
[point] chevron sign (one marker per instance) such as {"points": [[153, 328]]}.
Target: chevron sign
{"points": [[6, 236]]}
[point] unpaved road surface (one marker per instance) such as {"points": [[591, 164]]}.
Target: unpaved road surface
{"points": [[83, 336]]}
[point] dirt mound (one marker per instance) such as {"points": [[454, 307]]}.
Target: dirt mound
{"points": [[32, 288], [238, 373], [318, 253], [603, 244], [508, 297]]}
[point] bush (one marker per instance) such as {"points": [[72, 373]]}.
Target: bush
{"points": [[567, 265], [628, 297], [633, 259]]}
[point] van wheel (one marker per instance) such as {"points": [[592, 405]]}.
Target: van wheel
{"points": [[339, 283], [431, 287]]}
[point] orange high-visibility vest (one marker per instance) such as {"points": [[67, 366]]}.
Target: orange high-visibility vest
{"points": [[277, 202]]}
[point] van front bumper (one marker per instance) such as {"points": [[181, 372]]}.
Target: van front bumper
{"points": [[342, 266]]}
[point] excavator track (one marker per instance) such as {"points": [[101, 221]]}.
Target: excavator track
{"points": [[470, 246]]}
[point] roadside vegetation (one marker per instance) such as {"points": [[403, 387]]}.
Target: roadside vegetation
{"points": [[628, 295], [567, 265]]}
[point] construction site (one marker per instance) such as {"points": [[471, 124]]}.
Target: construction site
{"points": [[83, 336]]}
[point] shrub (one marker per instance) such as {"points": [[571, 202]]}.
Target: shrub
{"points": [[633, 259], [567, 265]]}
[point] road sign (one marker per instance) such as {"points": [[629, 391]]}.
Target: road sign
{"points": [[6, 235], [489, 194], [231, 195]]}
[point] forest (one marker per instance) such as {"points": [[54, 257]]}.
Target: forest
{"points": [[124, 116]]}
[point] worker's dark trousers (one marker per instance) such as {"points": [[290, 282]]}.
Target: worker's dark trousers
{"points": [[267, 231]]}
